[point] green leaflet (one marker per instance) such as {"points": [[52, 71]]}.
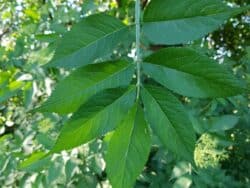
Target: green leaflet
{"points": [[90, 39], [35, 162], [95, 118], [128, 150], [10, 90], [178, 21], [190, 73], [4, 79], [73, 91], [169, 121]]}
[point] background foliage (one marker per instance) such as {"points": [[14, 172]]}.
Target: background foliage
{"points": [[28, 30]]}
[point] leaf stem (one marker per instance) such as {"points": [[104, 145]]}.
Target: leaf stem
{"points": [[138, 53]]}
